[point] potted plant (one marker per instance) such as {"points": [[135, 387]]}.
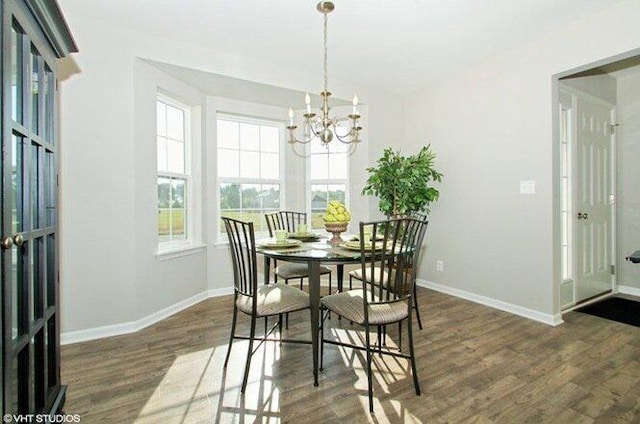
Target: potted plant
{"points": [[402, 183]]}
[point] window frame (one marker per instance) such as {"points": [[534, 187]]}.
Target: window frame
{"points": [[280, 181], [188, 241]]}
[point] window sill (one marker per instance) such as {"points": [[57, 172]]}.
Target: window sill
{"points": [[179, 251]]}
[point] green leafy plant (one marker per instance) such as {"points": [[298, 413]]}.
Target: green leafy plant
{"points": [[402, 183]]}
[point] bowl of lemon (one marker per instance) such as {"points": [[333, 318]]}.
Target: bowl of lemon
{"points": [[336, 220]]}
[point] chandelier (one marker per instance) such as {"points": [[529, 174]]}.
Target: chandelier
{"points": [[324, 127]]}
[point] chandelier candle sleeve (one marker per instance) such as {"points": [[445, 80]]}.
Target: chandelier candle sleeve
{"points": [[323, 126]]}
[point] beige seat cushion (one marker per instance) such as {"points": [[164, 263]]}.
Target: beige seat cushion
{"points": [[357, 274], [274, 299], [294, 270], [350, 305]]}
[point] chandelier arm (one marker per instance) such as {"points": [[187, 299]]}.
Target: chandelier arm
{"points": [[293, 139]]}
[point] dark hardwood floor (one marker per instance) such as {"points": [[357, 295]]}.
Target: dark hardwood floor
{"points": [[476, 365]]}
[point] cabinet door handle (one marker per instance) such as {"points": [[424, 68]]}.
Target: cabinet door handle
{"points": [[582, 215], [6, 243], [18, 240]]}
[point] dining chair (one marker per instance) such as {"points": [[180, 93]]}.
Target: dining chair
{"points": [[289, 221], [256, 302], [357, 273], [388, 260]]}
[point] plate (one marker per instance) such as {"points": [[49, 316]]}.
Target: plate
{"points": [[273, 244], [305, 236], [355, 245]]}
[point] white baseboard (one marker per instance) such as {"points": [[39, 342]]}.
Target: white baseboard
{"points": [[71, 337], [548, 319], [633, 291]]}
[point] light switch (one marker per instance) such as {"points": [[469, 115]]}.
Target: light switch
{"points": [[527, 187]]}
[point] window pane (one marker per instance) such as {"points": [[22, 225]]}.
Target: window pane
{"points": [[175, 123], [338, 166], [229, 197], [162, 154], [228, 161], [164, 192], [178, 193], [318, 197], [250, 196], [228, 134], [175, 156], [337, 147], [249, 164], [249, 137], [270, 166], [270, 197], [269, 139], [336, 192], [319, 167], [161, 118]]}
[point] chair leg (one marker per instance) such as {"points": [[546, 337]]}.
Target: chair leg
{"points": [[415, 304], [249, 353], [321, 338], [280, 327], [350, 283], [266, 325], [369, 376], [414, 369], [275, 274], [233, 333], [400, 335], [380, 341], [300, 283], [286, 320], [330, 291]]}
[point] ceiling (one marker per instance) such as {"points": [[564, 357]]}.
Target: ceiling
{"points": [[395, 45]]}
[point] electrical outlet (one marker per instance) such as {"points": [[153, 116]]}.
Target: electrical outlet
{"points": [[439, 266]]}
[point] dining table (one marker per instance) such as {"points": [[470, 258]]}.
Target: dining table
{"points": [[314, 253]]}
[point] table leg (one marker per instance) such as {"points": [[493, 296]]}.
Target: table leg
{"points": [[267, 269], [340, 269], [314, 307]]}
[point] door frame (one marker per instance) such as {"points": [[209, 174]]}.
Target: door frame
{"points": [[574, 188], [556, 250]]}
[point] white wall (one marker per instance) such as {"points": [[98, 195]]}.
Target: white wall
{"points": [[110, 275], [491, 127], [628, 135]]}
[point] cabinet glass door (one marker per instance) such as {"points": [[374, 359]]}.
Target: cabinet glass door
{"points": [[31, 378]]}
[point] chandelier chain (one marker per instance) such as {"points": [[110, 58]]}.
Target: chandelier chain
{"points": [[326, 60]]}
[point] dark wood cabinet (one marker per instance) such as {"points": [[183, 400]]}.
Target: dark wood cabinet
{"points": [[34, 37]]}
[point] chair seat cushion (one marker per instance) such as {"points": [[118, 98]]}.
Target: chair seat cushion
{"points": [[357, 274], [274, 299], [294, 270], [350, 305]]}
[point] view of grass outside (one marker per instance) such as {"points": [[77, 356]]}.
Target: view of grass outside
{"points": [[172, 219], [249, 202], [171, 224]]}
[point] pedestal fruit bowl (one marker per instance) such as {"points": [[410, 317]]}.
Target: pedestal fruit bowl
{"points": [[336, 219]]}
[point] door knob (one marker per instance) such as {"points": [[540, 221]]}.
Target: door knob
{"points": [[18, 240], [582, 215], [6, 243]]}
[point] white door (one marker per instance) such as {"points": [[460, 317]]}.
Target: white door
{"points": [[594, 198]]}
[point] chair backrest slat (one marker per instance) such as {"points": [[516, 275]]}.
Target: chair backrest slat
{"points": [[390, 258], [242, 246], [284, 220]]}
